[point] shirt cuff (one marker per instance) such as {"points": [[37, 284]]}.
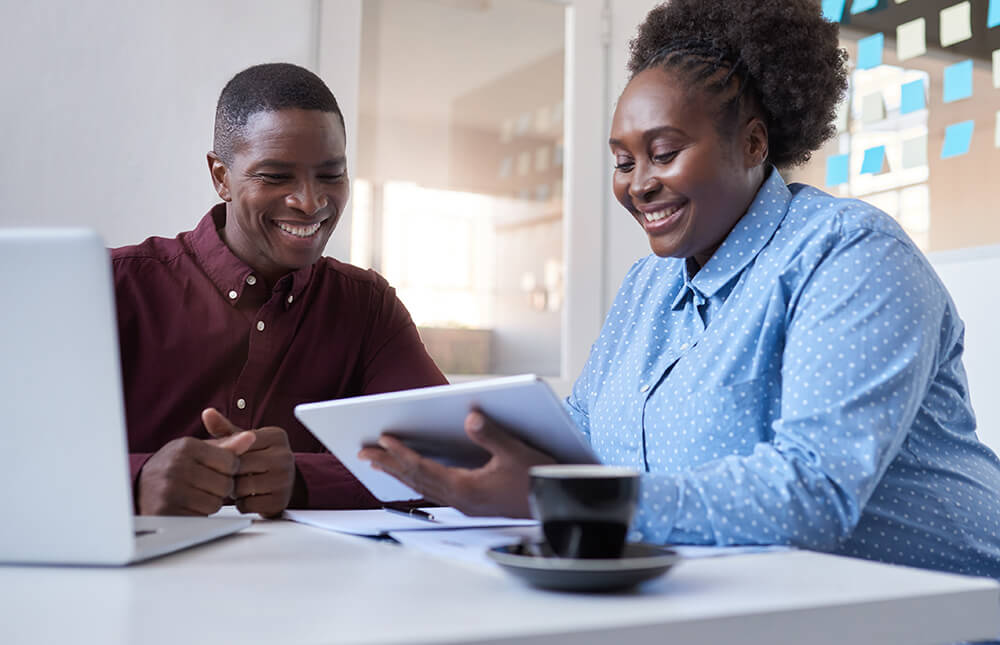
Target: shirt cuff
{"points": [[136, 460]]}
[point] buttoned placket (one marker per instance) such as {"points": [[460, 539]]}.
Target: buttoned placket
{"points": [[261, 352], [690, 332]]}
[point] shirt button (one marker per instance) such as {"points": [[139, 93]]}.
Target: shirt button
{"points": [[644, 388], [260, 325], [684, 346], [290, 298], [251, 280], [241, 403], [232, 295]]}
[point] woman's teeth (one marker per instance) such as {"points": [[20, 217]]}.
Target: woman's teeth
{"points": [[658, 215], [300, 231]]}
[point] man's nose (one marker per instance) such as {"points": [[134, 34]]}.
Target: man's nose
{"points": [[308, 198]]}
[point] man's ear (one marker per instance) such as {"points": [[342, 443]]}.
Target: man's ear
{"points": [[755, 146], [220, 176]]}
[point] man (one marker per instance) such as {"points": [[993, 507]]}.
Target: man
{"points": [[229, 326]]}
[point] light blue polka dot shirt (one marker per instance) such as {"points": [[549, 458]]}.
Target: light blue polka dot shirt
{"points": [[805, 387]]}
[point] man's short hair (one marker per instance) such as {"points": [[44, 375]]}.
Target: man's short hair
{"points": [[266, 88]]}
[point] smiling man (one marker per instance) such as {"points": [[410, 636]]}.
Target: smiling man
{"points": [[225, 328]]}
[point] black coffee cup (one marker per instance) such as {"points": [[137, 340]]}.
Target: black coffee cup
{"points": [[585, 510]]}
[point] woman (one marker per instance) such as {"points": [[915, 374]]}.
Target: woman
{"points": [[786, 368]]}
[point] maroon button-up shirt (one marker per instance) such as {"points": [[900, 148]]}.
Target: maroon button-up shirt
{"points": [[199, 329]]}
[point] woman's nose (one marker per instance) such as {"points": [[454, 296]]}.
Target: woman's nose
{"points": [[643, 184]]}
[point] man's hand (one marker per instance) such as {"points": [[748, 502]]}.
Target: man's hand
{"points": [[500, 487], [191, 476], [266, 472]]}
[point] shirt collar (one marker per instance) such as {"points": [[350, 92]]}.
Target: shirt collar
{"points": [[747, 239], [227, 272]]}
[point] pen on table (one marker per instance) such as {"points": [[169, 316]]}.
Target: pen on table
{"points": [[412, 512]]}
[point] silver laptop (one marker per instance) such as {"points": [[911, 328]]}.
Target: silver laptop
{"points": [[65, 487]]}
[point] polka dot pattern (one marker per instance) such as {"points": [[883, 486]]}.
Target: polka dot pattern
{"points": [[805, 387]]}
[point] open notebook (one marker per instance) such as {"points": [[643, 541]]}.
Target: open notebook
{"points": [[379, 521]]}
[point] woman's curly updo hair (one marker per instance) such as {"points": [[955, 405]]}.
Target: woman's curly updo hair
{"points": [[781, 56]]}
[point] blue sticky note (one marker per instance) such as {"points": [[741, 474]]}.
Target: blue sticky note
{"points": [[863, 5], [957, 139], [870, 51], [873, 161], [833, 10], [836, 170], [993, 18], [913, 98], [958, 81]]}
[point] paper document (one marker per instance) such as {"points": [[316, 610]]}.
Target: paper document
{"points": [[468, 546], [380, 521]]}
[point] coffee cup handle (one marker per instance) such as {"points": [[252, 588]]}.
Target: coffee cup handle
{"points": [[573, 546]]}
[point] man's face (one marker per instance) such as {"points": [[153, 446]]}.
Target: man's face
{"points": [[286, 188]]}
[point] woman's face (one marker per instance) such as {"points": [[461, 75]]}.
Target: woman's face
{"points": [[684, 182]]}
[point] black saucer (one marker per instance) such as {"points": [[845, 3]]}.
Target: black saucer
{"points": [[535, 564]]}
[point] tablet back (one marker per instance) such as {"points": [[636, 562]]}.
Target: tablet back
{"points": [[431, 421]]}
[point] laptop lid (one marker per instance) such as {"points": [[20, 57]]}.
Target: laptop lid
{"points": [[64, 482]]}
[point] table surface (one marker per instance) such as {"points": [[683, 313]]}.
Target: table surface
{"points": [[280, 582]]}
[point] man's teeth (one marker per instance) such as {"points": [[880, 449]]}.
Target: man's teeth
{"points": [[658, 215], [300, 231]]}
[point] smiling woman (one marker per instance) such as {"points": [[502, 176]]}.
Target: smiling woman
{"points": [[684, 180], [786, 368]]}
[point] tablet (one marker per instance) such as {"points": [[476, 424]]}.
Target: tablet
{"points": [[431, 420]]}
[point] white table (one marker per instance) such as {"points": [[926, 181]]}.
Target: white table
{"points": [[280, 582]]}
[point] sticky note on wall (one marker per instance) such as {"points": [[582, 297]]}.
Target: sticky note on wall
{"points": [[863, 5], [957, 139], [912, 97], [956, 24], [872, 108], [915, 152], [833, 10], [958, 81], [870, 51], [837, 169], [993, 17], [874, 161], [911, 39]]}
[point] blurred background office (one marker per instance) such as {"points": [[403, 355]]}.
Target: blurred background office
{"points": [[477, 140]]}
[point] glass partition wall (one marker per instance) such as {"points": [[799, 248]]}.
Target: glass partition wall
{"points": [[458, 193]]}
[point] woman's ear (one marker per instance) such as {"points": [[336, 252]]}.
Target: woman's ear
{"points": [[755, 146], [220, 176]]}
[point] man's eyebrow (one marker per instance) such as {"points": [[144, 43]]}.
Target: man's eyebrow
{"points": [[277, 163], [649, 134]]}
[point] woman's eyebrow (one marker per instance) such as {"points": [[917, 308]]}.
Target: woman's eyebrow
{"points": [[663, 129]]}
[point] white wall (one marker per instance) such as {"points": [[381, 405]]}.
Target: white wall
{"points": [[108, 105], [964, 273]]}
